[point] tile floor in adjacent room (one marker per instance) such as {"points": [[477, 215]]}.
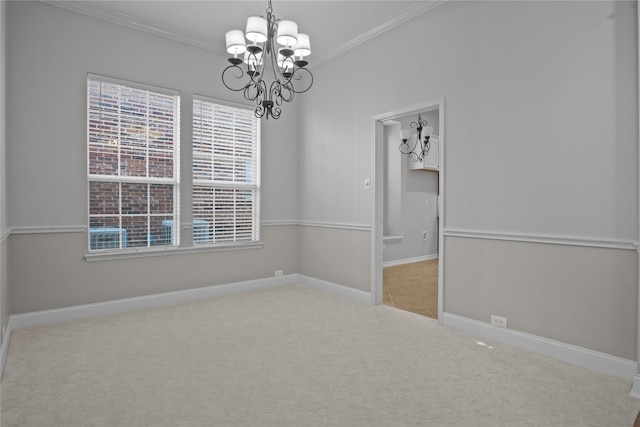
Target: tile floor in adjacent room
{"points": [[412, 287]]}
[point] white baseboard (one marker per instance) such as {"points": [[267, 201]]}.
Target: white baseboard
{"points": [[45, 317], [27, 320], [4, 349], [635, 389], [409, 260], [334, 288], [597, 361]]}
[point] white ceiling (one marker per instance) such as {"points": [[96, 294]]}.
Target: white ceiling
{"points": [[333, 26]]}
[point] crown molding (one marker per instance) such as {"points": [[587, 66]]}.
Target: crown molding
{"points": [[405, 16], [94, 11], [130, 22]]}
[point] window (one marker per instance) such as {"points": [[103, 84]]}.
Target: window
{"points": [[133, 164], [226, 174]]}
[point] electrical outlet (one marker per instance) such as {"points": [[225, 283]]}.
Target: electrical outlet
{"points": [[498, 321], [425, 235], [279, 273]]}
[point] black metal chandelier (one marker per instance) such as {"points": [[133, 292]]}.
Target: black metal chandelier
{"points": [[285, 59], [407, 148]]}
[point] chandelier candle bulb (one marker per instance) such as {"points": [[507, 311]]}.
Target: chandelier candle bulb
{"points": [[253, 59]]}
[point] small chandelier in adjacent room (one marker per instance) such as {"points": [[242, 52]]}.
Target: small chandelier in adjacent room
{"points": [[410, 148], [284, 59]]}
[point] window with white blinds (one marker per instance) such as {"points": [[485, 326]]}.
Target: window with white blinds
{"points": [[226, 174], [133, 165]]}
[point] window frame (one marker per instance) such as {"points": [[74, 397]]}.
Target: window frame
{"points": [[183, 157], [174, 181], [255, 185]]}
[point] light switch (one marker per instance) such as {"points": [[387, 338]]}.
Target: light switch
{"points": [[367, 184]]}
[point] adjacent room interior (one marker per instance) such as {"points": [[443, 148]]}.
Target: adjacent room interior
{"points": [[411, 215]]}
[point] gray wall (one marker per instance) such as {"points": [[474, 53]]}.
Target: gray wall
{"points": [[47, 270], [541, 139], [578, 295], [4, 299], [50, 51]]}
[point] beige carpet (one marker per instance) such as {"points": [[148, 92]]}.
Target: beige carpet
{"points": [[291, 356]]}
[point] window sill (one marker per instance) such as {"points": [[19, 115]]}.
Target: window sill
{"points": [[153, 252]]}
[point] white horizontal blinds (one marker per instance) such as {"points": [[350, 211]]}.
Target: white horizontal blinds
{"points": [[133, 165], [226, 174]]}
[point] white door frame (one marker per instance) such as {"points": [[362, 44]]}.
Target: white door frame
{"points": [[378, 203]]}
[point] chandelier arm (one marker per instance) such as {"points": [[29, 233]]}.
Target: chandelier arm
{"points": [[260, 111], [298, 75], [426, 146], [404, 148], [237, 76], [282, 92], [259, 91], [268, 110], [275, 92]]}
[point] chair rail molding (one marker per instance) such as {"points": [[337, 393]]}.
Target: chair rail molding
{"points": [[543, 238]]}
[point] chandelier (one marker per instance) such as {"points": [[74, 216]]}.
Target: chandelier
{"points": [[406, 148], [285, 60]]}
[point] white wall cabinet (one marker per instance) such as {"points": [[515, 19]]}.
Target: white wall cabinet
{"points": [[430, 162]]}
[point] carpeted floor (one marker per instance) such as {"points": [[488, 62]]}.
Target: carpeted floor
{"points": [[291, 356]]}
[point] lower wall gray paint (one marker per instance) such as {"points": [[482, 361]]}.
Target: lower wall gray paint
{"points": [[577, 295], [336, 255], [49, 271], [4, 288]]}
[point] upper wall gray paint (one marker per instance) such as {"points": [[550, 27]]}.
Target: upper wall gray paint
{"points": [[541, 102]]}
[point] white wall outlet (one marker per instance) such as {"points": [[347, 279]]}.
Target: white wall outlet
{"points": [[279, 273], [498, 321], [425, 235]]}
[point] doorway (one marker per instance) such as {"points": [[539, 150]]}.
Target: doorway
{"points": [[390, 225]]}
